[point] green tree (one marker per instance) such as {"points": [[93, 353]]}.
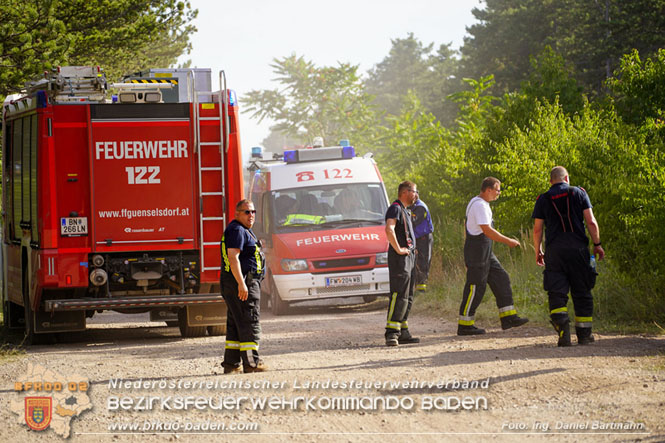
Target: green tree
{"points": [[592, 35], [126, 36], [413, 130], [120, 35], [31, 39], [639, 88], [412, 66], [507, 33], [328, 101], [552, 80]]}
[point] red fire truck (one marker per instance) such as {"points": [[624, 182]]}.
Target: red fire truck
{"points": [[117, 203]]}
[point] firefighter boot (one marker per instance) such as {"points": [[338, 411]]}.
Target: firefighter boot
{"points": [[469, 330], [392, 339], [405, 338], [512, 321], [584, 336], [231, 369], [259, 367], [563, 329]]}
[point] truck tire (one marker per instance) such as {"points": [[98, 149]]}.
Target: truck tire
{"points": [[31, 338], [369, 298], [216, 330], [189, 331], [13, 316], [277, 305]]}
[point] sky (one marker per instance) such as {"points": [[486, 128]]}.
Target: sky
{"points": [[243, 38]]}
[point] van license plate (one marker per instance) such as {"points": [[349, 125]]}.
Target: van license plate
{"points": [[347, 280], [73, 226]]}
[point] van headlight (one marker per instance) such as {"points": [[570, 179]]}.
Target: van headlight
{"points": [[382, 258], [294, 265]]}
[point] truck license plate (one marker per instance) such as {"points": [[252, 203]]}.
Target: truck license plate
{"points": [[347, 280], [73, 226]]}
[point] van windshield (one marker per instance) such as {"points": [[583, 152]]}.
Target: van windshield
{"points": [[327, 207]]}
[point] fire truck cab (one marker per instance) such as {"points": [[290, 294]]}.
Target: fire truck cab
{"points": [[117, 202], [320, 217]]}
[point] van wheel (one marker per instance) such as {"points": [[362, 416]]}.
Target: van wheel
{"points": [[216, 330], [189, 331], [369, 298], [278, 306]]}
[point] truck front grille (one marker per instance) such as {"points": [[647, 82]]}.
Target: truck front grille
{"points": [[341, 262]]}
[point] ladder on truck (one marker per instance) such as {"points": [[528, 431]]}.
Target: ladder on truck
{"points": [[210, 168]]}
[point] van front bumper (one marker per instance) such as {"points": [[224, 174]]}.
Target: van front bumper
{"points": [[307, 286]]}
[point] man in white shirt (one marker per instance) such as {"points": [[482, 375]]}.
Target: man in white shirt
{"points": [[482, 266]]}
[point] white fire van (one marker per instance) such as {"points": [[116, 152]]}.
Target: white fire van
{"points": [[320, 217]]}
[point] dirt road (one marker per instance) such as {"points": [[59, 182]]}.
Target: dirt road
{"points": [[331, 363]]}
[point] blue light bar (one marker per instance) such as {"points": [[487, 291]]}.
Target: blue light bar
{"points": [[256, 152], [319, 154], [344, 142], [232, 97], [291, 156]]}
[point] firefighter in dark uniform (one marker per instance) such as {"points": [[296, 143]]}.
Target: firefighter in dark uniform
{"points": [[401, 263], [563, 209], [422, 228], [482, 266], [242, 271]]}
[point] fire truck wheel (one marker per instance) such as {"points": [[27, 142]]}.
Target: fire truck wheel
{"points": [[30, 337], [277, 305], [369, 298], [189, 331], [13, 315], [216, 330]]}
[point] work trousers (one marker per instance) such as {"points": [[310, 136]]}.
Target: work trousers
{"points": [[482, 269], [423, 258], [401, 271], [242, 322], [567, 269]]}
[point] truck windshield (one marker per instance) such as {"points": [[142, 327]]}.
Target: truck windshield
{"points": [[326, 207]]}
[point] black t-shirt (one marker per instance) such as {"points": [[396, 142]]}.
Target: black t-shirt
{"points": [[562, 209], [403, 226], [236, 236]]}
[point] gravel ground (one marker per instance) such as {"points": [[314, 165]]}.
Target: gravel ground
{"points": [[504, 386]]}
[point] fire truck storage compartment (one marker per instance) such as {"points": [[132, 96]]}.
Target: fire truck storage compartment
{"points": [[180, 78], [142, 176]]}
